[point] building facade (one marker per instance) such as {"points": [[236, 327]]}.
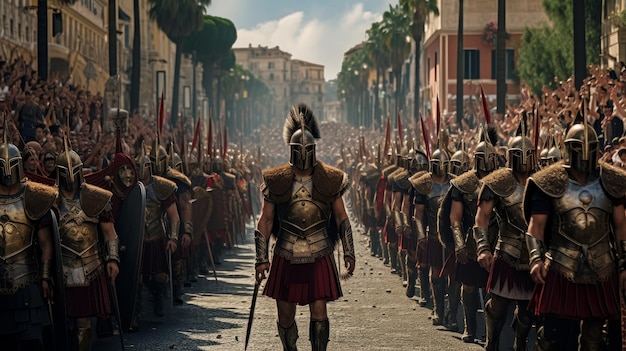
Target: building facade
{"points": [[613, 42]]}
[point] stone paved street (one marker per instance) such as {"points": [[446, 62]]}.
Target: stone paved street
{"points": [[374, 314]]}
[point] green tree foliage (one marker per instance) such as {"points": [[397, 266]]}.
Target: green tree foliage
{"points": [[547, 51]]}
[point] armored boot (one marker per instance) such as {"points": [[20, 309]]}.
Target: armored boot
{"points": [[470, 307], [522, 322], [83, 337], [157, 288], [289, 337], [454, 297], [412, 274], [319, 331], [393, 257], [543, 343], [438, 286], [178, 282], [384, 249], [403, 269], [425, 294], [494, 322]]}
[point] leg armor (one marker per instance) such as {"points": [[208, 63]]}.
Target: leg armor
{"points": [[470, 307], [384, 249], [393, 256], [158, 285], [454, 297], [374, 242], [438, 286], [289, 337], [178, 271], [403, 270], [425, 294], [83, 337], [495, 317], [319, 331], [412, 275], [522, 322]]}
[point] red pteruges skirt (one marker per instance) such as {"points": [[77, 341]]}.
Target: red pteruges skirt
{"points": [[303, 283], [89, 301]]}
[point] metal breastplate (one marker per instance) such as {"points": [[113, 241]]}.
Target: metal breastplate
{"points": [[470, 207], [18, 265], [580, 242], [434, 199], [512, 237], [79, 244], [302, 236], [155, 228]]}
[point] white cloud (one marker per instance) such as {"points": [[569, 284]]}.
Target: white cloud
{"points": [[314, 40]]}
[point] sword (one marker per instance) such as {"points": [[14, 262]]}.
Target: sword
{"points": [[251, 316], [118, 315]]}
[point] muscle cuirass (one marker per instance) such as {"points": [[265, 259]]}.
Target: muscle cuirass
{"points": [[18, 265], [511, 243], [79, 244], [580, 237], [302, 235], [434, 199], [155, 227]]}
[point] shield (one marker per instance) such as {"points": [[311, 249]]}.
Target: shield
{"points": [[129, 226], [201, 207], [443, 221], [58, 305]]}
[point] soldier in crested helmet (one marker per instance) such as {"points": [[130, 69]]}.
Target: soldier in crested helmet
{"points": [[576, 238], [507, 263], [83, 210], [455, 222], [429, 189], [220, 185], [368, 178], [160, 237], [26, 253], [303, 207]]}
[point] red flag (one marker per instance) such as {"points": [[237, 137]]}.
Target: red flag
{"points": [[425, 136], [194, 142], [485, 106], [161, 113], [438, 116], [209, 146], [387, 138], [225, 148]]}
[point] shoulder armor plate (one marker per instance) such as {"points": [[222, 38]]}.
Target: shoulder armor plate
{"points": [[402, 179], [278, 182], [38, 199], [501, 181], [613, 180], [422, 182], [388, 171], [467, 182], [552, 180], [178, 177], [329, 183], [94, 200], [163, 187]]}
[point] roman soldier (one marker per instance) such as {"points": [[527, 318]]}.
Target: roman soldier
{"points": [[577, 244], [26, 253], [83, 210], [220, 221], [368, 178], [303, 207], [383, 204], [508, 282]]}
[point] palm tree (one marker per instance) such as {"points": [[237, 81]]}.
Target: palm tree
{"points": [[395, 29], [418, 10], [178, 19], [375, 51], [135, 79]]}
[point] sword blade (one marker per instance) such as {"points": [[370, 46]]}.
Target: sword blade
{"points": [[251, 316]]}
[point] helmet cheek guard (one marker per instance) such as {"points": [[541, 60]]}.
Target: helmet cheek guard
{"points": [[302, 150]]}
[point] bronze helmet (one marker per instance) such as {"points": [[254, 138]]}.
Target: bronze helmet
{"points": [[299, 132], [581, 148], [143, 165], [459, 163], [69, 169]]}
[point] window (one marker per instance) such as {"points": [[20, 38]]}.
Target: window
{"points": [[270, 65], [509, 63], [127, 35], [436, 64], [271, 76], [472, 64]]}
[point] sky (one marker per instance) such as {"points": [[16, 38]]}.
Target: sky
{"points": [[316, 31]]}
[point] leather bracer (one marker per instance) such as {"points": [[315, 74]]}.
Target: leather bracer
{"points": [[112, 247], [482, 239], [188, 227], [174, 227], [260, 243], [536, 249], [457, 234], [46, 271], [345, 234], [387, 210]]}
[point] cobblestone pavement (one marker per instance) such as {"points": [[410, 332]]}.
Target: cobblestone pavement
{"points": [[374, 314]]}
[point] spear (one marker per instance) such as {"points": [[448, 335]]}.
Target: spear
{"points": [[485, 106], [196, 132], [399, 125], [425, 136], [387, 138]]}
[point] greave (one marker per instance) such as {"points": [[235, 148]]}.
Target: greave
{"points": [[543, 344], [393, 256], [374, 242], [412, 275], [425, 293], [470, 307], [438, 286], [83, 336], [384, 249], [319, 331], [402, 263], [522, 322], [454, 297], [494, 322], [288, 336], [178, 283]]}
